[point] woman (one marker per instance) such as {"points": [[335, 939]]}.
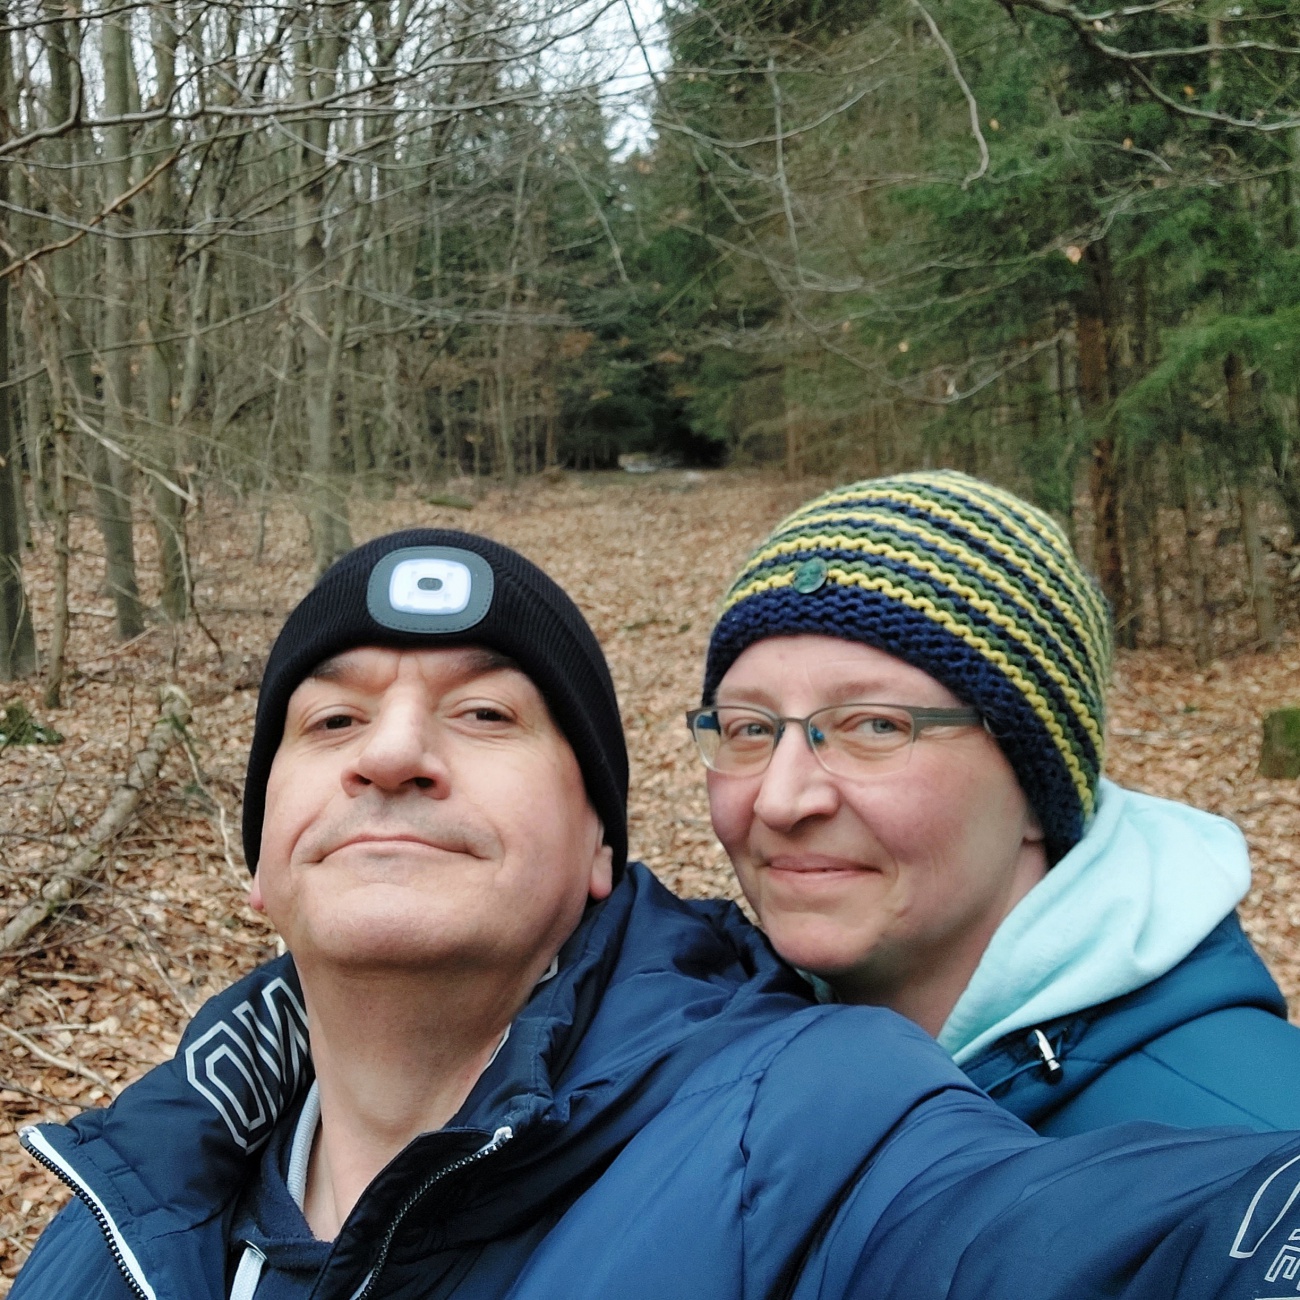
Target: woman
{"points": [[903, 724]]}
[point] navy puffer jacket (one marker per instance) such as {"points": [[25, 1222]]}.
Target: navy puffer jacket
{"points": [[666, 1119]]}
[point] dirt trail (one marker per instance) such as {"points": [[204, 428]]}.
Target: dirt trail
{"points": [[107, 988]]}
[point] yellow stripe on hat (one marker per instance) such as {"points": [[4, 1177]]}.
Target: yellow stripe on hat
{"points": [[931, 537], [1092, 642]]}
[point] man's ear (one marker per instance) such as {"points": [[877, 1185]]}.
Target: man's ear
{"points": [[255, 900], [602, 871]]}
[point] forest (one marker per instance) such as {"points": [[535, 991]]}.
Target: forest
{"points": [[619, 284], [331, 249]]}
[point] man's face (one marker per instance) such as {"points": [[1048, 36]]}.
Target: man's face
{"points": [[424, 811], [872, 880]]}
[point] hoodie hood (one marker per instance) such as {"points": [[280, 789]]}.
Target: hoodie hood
{"points": [[1146, 885]]}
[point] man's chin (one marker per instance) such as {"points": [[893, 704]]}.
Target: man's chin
{"points": [[375, 939]]}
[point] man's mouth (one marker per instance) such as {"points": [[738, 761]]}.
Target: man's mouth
{"points": [[401, 841]]}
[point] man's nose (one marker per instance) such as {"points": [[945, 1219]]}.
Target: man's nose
{"points": [[401, 749], [795, 786]]}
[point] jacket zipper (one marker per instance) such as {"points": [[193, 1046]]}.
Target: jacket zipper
{"points": [[499, 1139], [40, 1151], [1050, 1064]]}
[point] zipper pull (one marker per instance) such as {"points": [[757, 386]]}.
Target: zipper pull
{"points": [[1050, 1066]]}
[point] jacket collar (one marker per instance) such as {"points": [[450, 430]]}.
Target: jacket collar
{"points": [[1146, 884]]}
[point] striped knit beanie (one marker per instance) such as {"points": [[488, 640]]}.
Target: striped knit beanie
{"points": [[966, 582]]}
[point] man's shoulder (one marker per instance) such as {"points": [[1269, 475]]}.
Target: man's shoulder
{"points": [[827, 1060], [163, 1163], [71, 1259]]}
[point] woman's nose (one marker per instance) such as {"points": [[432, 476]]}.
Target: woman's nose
{"points": [[795, 785]]}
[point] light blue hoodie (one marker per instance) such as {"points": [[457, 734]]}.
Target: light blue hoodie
{"points": [[1146, 884]]}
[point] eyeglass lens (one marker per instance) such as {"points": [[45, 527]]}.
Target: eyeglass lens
{"points": [[738, 739]]}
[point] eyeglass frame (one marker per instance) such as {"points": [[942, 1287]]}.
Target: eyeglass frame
{"points": [[922, 719]]}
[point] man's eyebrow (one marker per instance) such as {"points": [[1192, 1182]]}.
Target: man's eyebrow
{"points": [[476, 661], [332, 669]]}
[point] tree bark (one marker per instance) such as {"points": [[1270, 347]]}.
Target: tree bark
{"points": [[1202, 622], [111, 485], [317, 49], [159, 260], [1239, 420], [1261, 592], [17, 640], [1096, 389], [116, 490]]}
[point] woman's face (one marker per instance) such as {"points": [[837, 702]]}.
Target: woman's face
{"points": [[887, 885]]}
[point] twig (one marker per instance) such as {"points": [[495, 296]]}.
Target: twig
{"points": [[8, 1085], [174, 716], [119, 649], [974, 108], [151, 951], [238, 878], [72, 1067], [102, 215]]}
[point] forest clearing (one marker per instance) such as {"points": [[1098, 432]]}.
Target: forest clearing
{"points": [[100, 992]]}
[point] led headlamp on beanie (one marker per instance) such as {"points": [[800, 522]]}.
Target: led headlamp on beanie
{"points": [[970, 584], [429, 588]]}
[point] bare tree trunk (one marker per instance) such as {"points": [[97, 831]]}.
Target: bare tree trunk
{"points": [[115, 496], [168, 506], [112, 485], [17, 640], [1159, 576], [1196, 579], [505, 428], [1134, 537], [1261, 593], [316, 58], [60, 519], [1096, 316]]}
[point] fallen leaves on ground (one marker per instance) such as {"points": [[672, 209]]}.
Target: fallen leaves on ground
{"points": [[101, 993]]}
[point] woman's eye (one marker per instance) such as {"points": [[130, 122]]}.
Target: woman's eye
{"points": [[337, 721], [750, 729], [871, 724]]}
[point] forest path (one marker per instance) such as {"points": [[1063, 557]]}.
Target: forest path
{"points": [[108, 986]]}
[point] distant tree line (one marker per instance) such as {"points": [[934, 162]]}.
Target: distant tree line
{"points": [[333, 247]]}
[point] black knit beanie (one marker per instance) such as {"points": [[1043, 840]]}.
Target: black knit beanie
{"points": [[432, 587]]}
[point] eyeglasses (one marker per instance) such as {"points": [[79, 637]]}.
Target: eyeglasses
{"points": [[847, 739]]}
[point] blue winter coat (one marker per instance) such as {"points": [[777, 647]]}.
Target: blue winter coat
{"points": [[1122, 987], [1207, 1043], [664, 1120]]}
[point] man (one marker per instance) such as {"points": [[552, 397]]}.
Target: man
{"points": [[950, 850], [481, 1003], [497, 1061]]}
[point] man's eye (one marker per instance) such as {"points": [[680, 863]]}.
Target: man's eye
{"points": [[485, 713], [337, 721]]}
